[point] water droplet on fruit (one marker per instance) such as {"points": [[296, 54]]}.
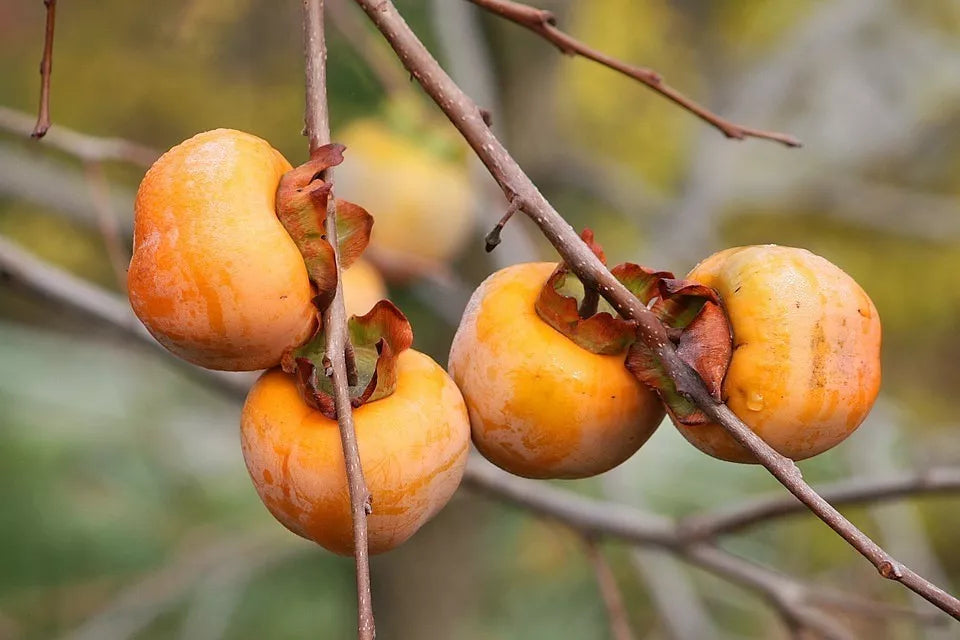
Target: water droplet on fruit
{"points": [[754, 401]]}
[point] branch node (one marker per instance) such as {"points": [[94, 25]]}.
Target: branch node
{"points": [[891, 570]]}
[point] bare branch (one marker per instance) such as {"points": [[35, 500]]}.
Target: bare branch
{"points": [[23, 270], [609, 591], [467, 118], [81, 145], [335, 316], [46, 67], [784, 595], [848, 492], [543, 23]]}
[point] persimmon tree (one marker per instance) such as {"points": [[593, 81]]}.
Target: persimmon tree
{"points": [[677, 332]]}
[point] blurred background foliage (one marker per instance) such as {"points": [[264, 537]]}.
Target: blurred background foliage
{"points": [[125, 511]]}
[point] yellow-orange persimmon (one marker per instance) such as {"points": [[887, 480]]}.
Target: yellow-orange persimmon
{"points": [[422, 202], [413, 450], [214, 275], [805, 368], [541, 406]]}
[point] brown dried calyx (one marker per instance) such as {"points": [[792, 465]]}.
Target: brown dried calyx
{"points": [[378, 337], [693, 314]]}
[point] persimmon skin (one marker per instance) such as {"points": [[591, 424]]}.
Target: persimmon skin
{"points": [[363, 287], [413, 450], [423, 204], [214, 276], [805, 369], [541, 406]]}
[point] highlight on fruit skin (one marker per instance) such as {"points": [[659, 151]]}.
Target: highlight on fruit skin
{"points": [[423, 203], [805, 369], [541, 406], [413, 449], [214, 276]]}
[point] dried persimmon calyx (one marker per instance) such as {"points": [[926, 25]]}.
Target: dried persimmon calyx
{"points": [[696, 321], [301, 204], [378, 338]]}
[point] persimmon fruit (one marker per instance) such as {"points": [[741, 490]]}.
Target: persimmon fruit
{"points": [[422, 201], [214, 276], [805, 368], [540, 405], [413, 449]]}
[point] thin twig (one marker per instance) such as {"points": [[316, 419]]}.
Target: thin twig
{"points": [[543, 23], [46, 67], [609, 591], [465, 116], [335, 316], [493, 239]]}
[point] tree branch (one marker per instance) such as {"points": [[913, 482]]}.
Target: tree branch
{"points": [[83, 146], [46, 67], [467, 117], [543, 23], [335, 317], [794, 600]]}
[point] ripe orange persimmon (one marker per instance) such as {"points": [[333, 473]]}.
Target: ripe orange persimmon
{"points": [[805, 368], [214, 276], [422, 202], [540, 405], [413, 450]]}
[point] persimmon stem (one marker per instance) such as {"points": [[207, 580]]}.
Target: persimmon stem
{"points": [[465, 116], [335, 317], [590, 302], [46, 69]]}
